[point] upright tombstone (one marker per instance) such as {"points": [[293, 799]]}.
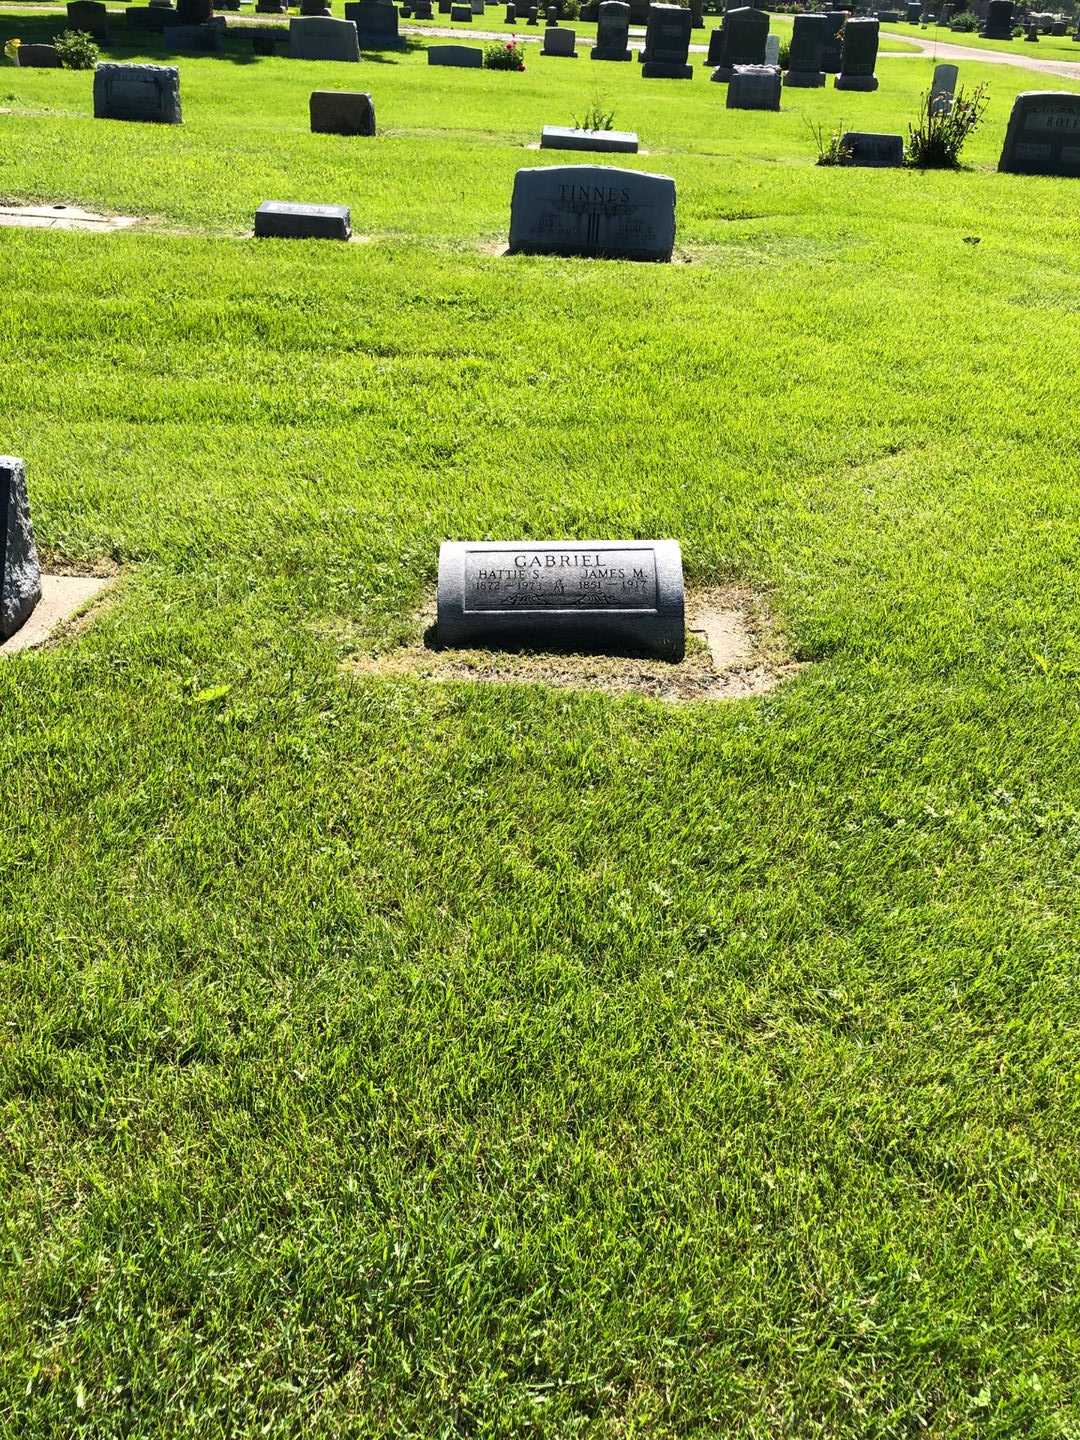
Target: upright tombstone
{"points": [[859, 57], [194, 12], [422, 10], [463, 57], [1043, 137], [316, 38], [942, 89], [560, 42], [20, 572], [612, 32], [999, 20], [742, 40], [593, 210], [341, 112], [461, 14], [90, 17], [137, 92], [832, 49], [804, 58], [754, 87], [377, 26], [667, 44], [152, 18], [593, 595], [510, 18], [877, 151], [772, 50], [533, 15], [309, 8], [914, 11]]}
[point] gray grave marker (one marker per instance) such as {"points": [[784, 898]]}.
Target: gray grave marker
{"points": [[314, 38], [560, 42], [606, 595], [741, 41], [754, 87], [667, 43], [804, 58], [593, 210], [462, 56], [612, 31], [873, 150], [772, 50], [341, 112], [39, 57], [558, 137], [832, 49], [20, 573], [377, 25], [281, 220], [1043, 137], [137, 92], [942, 89], [859, 56], [90, 17]]}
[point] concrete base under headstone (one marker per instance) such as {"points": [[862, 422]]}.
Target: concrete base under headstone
{"points": [[856, 82], [660, 70], [61, 597], [804, 79]]}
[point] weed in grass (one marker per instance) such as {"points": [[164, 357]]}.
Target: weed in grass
{"points": [[936, 139]]}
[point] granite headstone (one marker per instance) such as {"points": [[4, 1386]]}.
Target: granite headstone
{"points": [[1043, 137], [137, 92], [804, 57], [612, 31], [341, 112], [667, 43], [316, 38], [593, 210], [859, 56], [20, 572]]}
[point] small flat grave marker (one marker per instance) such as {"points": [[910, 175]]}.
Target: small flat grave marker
{"points": [[282, 220], [622, 595], [559, 137], [39, 57], [874, 150], [463, 56]]}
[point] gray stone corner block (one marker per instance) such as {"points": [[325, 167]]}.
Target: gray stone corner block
{"points": [[282, 220], [588, 595], [20, 572]]}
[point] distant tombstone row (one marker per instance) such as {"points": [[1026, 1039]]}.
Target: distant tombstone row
{"points": [[20, 571], [667, 43], [593, 210], [612, 32], [623, 595], [1043, 135], [149, 93]]}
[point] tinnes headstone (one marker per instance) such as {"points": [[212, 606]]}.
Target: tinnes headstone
{"points": [[606, 595], [341, 112], [593, 210], [137, 92], [804, 57], [859, 56], [667, 44], [20, 573], [612, 31], [1043, 137]]}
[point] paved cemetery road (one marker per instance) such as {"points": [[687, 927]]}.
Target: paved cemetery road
{"points": [[943, 50]]}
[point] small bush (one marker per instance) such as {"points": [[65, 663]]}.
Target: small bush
{"points": [[504, 56], [11, 50], [595, 118], [77, 50], [785, 54], [831, 149], [964, 23], [570, 10], [936, 141]]}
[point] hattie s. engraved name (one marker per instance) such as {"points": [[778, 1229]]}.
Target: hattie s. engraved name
{"points": [[561, 579]]}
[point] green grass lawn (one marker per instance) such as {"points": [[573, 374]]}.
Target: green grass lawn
{"points": [[382, 1058]]}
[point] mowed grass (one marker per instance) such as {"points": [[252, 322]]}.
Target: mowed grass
{"points": [[391, 1059], [1049, 47]]}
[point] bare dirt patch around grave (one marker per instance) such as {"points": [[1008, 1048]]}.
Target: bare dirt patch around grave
{"points": [[733, 650], [63, 611]]}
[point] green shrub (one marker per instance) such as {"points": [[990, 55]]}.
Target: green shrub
{"points": [[785, 54], [964, 22], [595, 118], [831, 150], [508, 55], [77, 50], [936, 141]]}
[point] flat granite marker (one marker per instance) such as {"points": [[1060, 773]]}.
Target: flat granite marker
{"points": [[281, 220], [20, 573], [1043, 137], [341, 112], [870, 149], [559, 137], [562, 594], [463, 56], [137, 92], [593, 210]]}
